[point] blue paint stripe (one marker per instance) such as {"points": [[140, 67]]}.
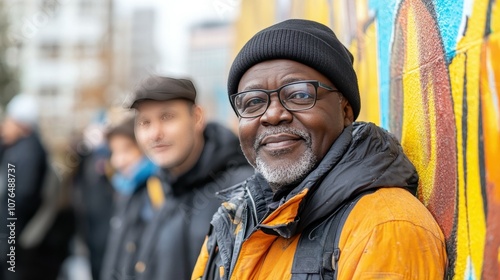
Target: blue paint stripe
{"points": [[449, 15], [385, 13]]}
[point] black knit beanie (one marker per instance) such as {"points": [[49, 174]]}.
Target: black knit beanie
{"points": [[308, 42]]}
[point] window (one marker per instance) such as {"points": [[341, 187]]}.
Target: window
{"points": [[50, 50], [48, 91], [49, 6], [85, 7]]}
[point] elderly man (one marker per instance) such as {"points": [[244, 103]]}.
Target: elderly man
{"points": [[331, 198]]}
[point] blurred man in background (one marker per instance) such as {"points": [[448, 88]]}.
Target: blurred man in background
{"points": [[196, 161], [24, 150], [36, 254]]}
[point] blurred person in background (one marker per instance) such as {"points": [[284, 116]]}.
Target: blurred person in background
{"points": [[92, 193], [41, 233], [2, 146], [196, 161], [24, 150], [133, 205]]}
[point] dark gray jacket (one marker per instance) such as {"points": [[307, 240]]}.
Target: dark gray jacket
{"points": [[30, 160], [168, 245]]}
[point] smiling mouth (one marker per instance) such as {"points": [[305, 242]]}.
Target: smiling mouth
{"points": [[160, 147], [280, 142]]}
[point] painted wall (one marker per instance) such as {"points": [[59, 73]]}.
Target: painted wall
{"points": [[429, 71]]}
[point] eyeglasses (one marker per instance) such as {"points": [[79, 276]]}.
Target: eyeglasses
{"points": [[296, 96]]}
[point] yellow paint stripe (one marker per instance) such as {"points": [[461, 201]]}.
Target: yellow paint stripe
{"points": [[366, 66], [457, 72], [414, 132], [475, 206], [317, 10], [255, 15], [471, 228], [471, 43], [495, 18]]}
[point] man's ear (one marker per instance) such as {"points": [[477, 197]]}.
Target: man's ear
{"points": [[347, 112], [199, 117]]}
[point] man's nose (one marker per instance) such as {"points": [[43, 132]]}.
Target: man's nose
{"points": [[275, 113], [156, 132]]}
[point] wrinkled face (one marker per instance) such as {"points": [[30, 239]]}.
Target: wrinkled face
{"points": [[124, 153], [11, 131], [285, 146], [169, 131]]}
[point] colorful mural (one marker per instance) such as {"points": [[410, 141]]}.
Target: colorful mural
{"points": [[429, 71]]}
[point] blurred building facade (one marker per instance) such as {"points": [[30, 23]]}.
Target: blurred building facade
{"points": [[210, 48], [84, 56], [63, 52], [8, 71], [134, 49], [143, 53]]}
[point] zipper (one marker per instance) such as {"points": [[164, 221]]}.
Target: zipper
{"points": [[254, 207]]}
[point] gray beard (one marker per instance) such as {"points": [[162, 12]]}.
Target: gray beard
{"points": [[285, 172]]}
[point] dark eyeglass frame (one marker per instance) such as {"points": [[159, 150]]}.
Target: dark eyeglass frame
{"points": [[315, 83]]}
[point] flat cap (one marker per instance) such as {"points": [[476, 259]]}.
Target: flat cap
{"points": [[161, 88]]}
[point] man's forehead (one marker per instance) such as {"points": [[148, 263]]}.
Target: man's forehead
{"points": [[255, 84], [153, 107]]}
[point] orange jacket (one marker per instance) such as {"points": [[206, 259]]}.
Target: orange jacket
{"points": [[389, 234]]}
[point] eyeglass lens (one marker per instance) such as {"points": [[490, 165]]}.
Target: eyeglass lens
{"points": [[297, 96]]}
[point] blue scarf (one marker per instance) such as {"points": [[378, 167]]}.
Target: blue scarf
{"points": [[128, 184]]}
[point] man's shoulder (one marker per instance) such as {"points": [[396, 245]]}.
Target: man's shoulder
{"points": [[26, 154], [390, 205], [380, 231]]}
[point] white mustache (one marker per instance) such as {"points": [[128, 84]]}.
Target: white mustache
{"points": [[281, 129]]}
